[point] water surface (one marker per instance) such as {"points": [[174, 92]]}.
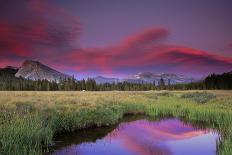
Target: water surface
{"points": [[139, 137]]}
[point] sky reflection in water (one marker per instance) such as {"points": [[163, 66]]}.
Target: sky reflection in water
{"points": [[143, 137]]}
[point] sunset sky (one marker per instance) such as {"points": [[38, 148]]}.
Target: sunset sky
{"points": [[116, 38]]}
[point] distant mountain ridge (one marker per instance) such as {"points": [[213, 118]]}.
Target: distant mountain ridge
{"points": [[148, 77], [101, 80], [169, 78], [35, 70]]}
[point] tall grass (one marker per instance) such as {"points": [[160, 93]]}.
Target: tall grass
{"points": [[29, 120]]}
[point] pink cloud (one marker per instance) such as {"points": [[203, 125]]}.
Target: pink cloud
{"points": [[168, 57], [147, 37]]}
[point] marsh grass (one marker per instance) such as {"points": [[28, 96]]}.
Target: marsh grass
{"points": [[30, 120]]}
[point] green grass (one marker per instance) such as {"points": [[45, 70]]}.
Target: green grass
{"points": [[29, 120]]}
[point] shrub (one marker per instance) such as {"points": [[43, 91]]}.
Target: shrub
{"points": [[165, 93], [23, 108], [199, 97]]}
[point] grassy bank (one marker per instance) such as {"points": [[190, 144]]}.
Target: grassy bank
{"points": [[29, 120]]}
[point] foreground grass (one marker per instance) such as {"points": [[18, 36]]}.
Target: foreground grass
{"points": [[29, 120]]}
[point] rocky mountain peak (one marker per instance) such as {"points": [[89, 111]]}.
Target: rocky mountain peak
{"points": [[35, 70]]}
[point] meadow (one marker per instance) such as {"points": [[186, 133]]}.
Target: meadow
{"points": [[29, 121]]}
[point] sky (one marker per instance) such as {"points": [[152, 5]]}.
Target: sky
{"points": [[117, 38]]}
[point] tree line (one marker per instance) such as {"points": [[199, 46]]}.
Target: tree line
{"points": [[12, 83], [70, 84]]}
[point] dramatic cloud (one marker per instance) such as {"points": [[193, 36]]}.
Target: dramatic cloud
{"points": [[145, 38], [145, 52], [39, 30], [34, 28]]}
